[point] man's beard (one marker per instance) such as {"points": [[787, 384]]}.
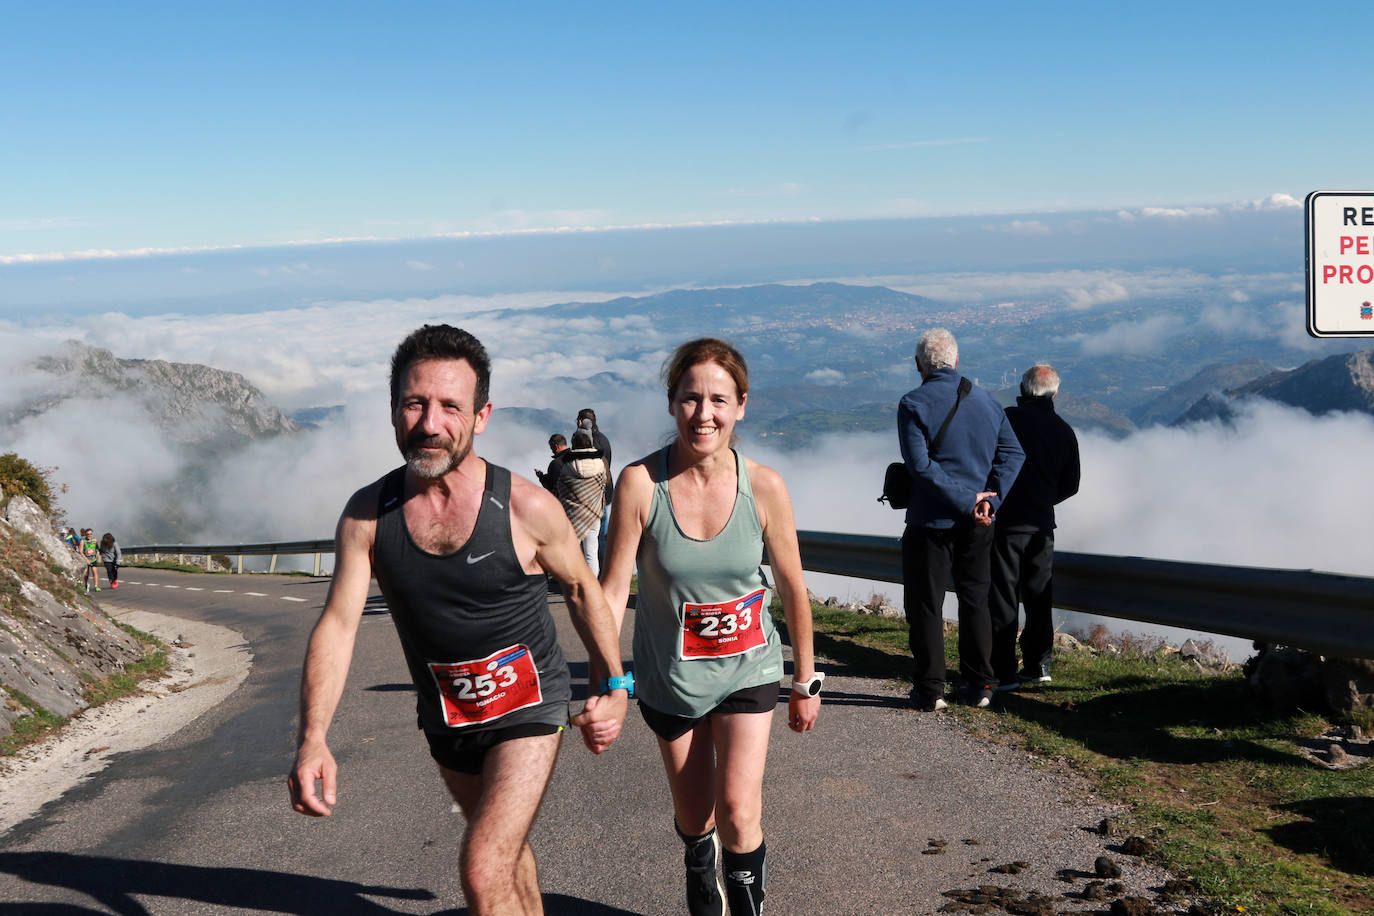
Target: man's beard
{"points": [[431, 467]]}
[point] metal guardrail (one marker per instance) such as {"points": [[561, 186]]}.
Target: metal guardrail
{"points": [[1325, 612], [272, 549]]}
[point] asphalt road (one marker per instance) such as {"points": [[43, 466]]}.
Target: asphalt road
{"points": [[199, 822]]}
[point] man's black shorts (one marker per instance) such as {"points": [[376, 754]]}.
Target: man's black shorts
{"points": [[464, 751], [751, 699]]}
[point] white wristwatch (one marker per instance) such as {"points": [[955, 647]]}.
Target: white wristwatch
{"points": [[810, 687]]}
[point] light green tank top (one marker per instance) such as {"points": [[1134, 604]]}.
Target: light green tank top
{"points": [[702, 627]]}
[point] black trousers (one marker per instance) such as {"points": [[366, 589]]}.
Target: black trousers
{"points": [[929, 556], [1022, 566]]}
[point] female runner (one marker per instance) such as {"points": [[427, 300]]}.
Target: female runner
{"points": [[695, 517]]}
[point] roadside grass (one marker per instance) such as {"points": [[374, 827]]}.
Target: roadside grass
{"points": [[1217, 784]]}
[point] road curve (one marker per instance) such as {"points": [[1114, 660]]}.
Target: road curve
{"points": [[198, 822]]}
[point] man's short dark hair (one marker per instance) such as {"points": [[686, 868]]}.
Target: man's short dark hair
{"points": [[557, 441], [442, 341], [586, 412]]}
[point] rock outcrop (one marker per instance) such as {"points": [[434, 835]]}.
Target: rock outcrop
{"points": [[1286, 680], [190, 403], [52, 640]]}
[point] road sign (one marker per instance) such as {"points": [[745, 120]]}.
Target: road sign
{"points": [[1340, 263]]}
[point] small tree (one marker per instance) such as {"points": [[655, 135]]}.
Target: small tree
{"points": [[20, 476]]}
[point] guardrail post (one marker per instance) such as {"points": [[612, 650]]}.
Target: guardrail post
{"points": [[272, 566], [240, 564], [317, 565]]}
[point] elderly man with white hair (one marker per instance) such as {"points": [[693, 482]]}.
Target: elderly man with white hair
{"points": [[1023, 540], [963, 457]]}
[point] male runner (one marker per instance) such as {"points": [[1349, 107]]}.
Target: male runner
{"points": [[459, 548]]}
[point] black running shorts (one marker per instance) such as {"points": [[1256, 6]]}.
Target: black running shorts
{"points": [[464, 752], [751, 699]]}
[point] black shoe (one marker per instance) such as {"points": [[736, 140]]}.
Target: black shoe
{"points": [[922, 703], [1008, 683], [705, 894], [1038, 675], [979, 697]]}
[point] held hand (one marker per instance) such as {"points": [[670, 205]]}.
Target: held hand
{"points": [[600, 719], [802, 712], [982, 509], [314, 762]]}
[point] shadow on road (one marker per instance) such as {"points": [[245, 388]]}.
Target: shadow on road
{"points": [[114, 882]]}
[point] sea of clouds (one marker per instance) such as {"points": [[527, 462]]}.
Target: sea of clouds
{"points": [[1277, 487]]}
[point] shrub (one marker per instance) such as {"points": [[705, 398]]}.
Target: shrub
{"points": [[19, 476]]}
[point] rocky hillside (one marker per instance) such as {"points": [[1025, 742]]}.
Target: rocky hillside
{"points": [[53, 641], [192, 404]]}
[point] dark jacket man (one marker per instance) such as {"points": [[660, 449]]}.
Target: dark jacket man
{"points": [[1023, 542]]}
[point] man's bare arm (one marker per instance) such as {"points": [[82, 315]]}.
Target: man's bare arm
{"points": [[541, 519], [328, 656]]}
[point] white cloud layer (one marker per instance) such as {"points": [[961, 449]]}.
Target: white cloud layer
{"points": [[1271, 491]]}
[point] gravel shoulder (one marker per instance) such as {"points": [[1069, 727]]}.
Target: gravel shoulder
{"points": [[207, 663]]}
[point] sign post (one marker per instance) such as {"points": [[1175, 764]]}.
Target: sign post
{"points": [[1340, 263]]}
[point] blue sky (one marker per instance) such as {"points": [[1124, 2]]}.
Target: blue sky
{"points": [[171, 126]]}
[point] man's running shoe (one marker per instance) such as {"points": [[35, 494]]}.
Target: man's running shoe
{"points": [[1009, 684], [1040, 675], [114, 584]]}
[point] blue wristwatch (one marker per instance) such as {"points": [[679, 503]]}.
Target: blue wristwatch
{"points": [[625, 682]]}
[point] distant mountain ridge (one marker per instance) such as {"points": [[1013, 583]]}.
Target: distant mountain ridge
{"points": [[1344, 382], [191, 403], [1215, 378]]}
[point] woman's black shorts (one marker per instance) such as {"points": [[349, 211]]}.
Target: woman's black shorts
{"points": [[751, 699]]}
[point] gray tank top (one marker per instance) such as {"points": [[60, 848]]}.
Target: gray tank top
{"points": [[702, 627], [475, 627]]}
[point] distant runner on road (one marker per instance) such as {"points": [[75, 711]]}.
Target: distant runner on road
{"points": [[459, 548]]}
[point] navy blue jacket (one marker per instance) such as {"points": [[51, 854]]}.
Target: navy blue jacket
{"points": [[978, 453], [1051, 472]]}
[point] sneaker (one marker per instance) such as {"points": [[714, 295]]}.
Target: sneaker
{"points": [[114, 584], [977, 697], [1040, 675], [705, 893], [922, 703], [1010, 684], [97, 588]]}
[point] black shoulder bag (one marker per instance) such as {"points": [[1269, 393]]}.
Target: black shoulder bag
{"points": [[896, 480]]}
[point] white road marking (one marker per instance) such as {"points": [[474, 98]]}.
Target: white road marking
{"points": [[192, 588], [289, 598], [256, 594], [224, 591], [171, 586]]}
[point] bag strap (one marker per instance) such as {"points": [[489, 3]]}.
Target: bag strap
{"points": [[965, 386]]}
